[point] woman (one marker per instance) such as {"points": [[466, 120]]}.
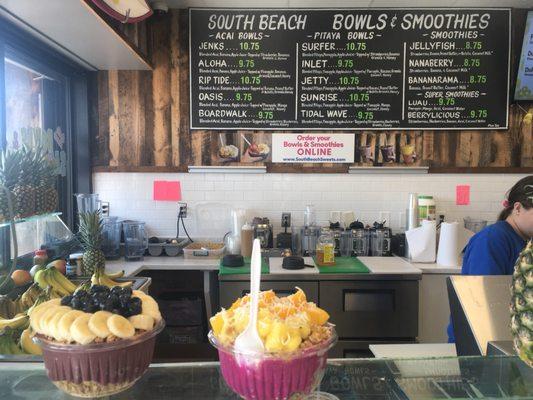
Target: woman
{"points": [[494, 250]]}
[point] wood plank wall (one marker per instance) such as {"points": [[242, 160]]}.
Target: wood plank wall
{"points": [[140, 120]]}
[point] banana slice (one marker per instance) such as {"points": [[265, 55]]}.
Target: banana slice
{"points": [[48, 316], [39, 317], [150, 307], [120, 326], [80, 329], [98, 323], [45, 305], [142, 321], [64, 324], [52, 325]]}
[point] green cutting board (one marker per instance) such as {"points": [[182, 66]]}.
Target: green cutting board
{"points": [[344, 265], [245, 269]]}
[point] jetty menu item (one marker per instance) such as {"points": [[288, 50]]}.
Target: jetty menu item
{"points": [[97, 343], [296, 337], [349, 68]]}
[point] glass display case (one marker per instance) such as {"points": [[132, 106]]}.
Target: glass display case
{"points": [[416, 379]]}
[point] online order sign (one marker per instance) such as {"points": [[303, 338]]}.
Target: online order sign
{"points": [[313, 148]]}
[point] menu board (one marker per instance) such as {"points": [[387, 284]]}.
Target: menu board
{"points": [[349, 69]]}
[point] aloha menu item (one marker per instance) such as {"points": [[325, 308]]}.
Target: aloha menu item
{"points": [[296, 337], [97, 343]]}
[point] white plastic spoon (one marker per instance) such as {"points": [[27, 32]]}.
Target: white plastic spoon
{"points": [[249, 340]]}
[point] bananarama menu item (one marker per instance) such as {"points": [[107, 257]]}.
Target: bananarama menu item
{"points": [[349, 68], [296, 337]]}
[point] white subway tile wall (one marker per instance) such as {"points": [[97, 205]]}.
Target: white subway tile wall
{"points": [[267, 195]]}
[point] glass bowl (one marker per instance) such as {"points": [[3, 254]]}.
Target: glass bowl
{"points": [[270, 376], [98, 369]]}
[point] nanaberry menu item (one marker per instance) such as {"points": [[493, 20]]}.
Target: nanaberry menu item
{"points": [[349, 69]]}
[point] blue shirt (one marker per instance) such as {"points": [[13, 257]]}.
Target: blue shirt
{"points": [[492, 251]]}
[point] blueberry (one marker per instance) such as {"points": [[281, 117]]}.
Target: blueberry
{"points": [[126, 291], [99, 298], [135, 306], [65, 301], [109, 305], [99, 289], [116, 290], [80, 294], [77, 303]]}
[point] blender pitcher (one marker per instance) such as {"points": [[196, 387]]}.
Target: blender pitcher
{"points": [[135, 240], [88, 202], [111, 237]]}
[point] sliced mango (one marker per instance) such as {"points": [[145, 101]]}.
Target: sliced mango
{"points": [[317, 316], [297, 298], [217, 322]]}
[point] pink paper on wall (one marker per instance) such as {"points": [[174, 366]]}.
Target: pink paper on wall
{"points": [[462, 195], [167, 190]]}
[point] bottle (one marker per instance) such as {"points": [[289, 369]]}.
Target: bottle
{"points": [[247, 240], [72, 267], [325, 249], [426, 208], [40, 257]]}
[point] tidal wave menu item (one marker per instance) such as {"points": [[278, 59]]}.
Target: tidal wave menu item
{"points": [[349, 69]]}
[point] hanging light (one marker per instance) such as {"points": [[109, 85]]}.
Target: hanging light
{"points": [[126, 11]]}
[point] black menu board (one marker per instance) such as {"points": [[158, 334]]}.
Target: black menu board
{"points": [[349, 69]]}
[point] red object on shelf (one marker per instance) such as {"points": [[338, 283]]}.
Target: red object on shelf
{"points": [[462, 195], [126, 11], [167, 190]]}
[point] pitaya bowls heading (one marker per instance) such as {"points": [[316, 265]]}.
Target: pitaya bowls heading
{"points": [[274, 376]]}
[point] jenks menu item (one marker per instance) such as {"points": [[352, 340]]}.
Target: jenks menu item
{"points": [[349, 69]]}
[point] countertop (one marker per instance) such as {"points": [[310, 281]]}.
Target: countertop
{"points": [[377, 266], [423, 378]]}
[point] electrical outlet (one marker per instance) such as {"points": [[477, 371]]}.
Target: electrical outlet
{"points": [[286, 220], [183, 210], [105, 209]]}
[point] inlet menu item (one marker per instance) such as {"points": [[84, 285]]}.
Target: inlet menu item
{"points": [[349, 69]]}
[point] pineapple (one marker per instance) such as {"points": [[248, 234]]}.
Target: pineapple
{"points": [[522, 303], [90, 236], [24, 190], [46, 197], [9, 177]]}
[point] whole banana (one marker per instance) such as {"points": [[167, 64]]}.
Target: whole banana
{"points": [[100, 278], [20, 321], [61, 280]]}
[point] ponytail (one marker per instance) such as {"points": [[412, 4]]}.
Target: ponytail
{"points": [[522, 193]]}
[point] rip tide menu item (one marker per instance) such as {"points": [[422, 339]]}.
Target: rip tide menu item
{"points": [[349, 69]]}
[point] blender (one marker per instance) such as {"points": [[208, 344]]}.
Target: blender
{"points": [[135, 240], [111, 227]]}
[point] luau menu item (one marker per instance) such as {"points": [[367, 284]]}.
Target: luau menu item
{"points": [[349, 69]]}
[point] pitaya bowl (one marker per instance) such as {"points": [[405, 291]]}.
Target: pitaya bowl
{"points": [[273, 376], [98, 369]]}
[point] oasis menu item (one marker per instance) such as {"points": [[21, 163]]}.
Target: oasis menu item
{"points": [[349, 69]]}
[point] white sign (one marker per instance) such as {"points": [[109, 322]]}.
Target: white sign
{"points": [[313, 148]]}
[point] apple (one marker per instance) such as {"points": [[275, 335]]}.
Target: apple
{"points": [[60, 265]]}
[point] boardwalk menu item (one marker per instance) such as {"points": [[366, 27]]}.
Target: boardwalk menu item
{"points": [[349, 69]]}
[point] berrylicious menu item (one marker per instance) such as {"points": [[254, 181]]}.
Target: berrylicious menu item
{"points": [[349, 69]]}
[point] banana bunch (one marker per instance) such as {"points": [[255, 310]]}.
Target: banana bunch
{"points": [[51, 277], [101, 278], [28, 298], [8, 344], [8, 308], [28, 345], [18, 322]]}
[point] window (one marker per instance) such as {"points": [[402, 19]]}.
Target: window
{"points": [[43, 101]]}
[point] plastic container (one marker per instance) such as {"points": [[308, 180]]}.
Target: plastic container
{"points": [[200, 249], [111, 229], [426, 208], [272, 376], [98, 369], [325, 248]]}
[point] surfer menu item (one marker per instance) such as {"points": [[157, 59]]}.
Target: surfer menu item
{"points": [[349, 69]]}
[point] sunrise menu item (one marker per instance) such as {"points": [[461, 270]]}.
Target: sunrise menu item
{"points": [[296, 336], [349, 69]]}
